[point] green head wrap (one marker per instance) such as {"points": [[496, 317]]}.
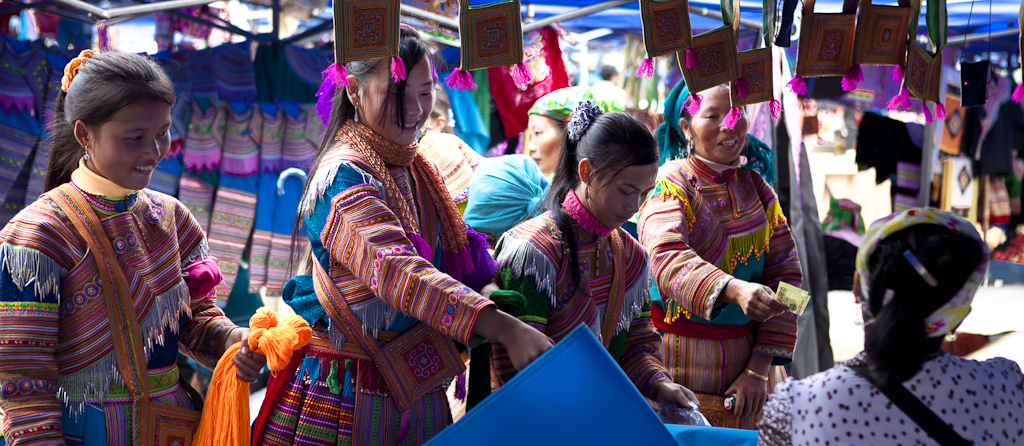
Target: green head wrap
{"points": [[560, 103]]}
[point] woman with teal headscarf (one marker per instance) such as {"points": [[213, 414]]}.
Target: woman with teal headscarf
{"points": [[719, 244], [504, 192]]}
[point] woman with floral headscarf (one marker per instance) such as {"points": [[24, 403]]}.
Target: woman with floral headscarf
{"points": [[548, 117], [719, 246], [917, 273]]}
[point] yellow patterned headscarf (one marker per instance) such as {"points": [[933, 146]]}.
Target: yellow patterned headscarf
{"points": [[950, 315]]}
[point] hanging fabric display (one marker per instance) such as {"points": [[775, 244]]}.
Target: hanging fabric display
{"points": [[271, 144], [234, 206], [826, 45], [924, 68], [363, 30], [756, 84], [882, 36], [666, 26], [711, 59], [1018, 93], [492, 36]]}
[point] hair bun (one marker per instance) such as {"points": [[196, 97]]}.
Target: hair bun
{"points": [[581, 118]]}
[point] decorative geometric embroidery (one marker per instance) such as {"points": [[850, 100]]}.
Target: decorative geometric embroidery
{"points": [[365, 29], [756, 69], [882, 34], [492, 35], [923, 72], [717, 61], [825, 48], [666, 26]]}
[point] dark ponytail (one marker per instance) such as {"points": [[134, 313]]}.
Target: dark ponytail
{"points": [[104, 84], [896, 343], [612, 142]]}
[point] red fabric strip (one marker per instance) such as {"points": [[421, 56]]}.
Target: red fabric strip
{"points": [[691, 329]]}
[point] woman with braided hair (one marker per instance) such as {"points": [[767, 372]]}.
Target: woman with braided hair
{"points": [[575, 264]]}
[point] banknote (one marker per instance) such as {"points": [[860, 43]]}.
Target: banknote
{"points": [[793, 297]]}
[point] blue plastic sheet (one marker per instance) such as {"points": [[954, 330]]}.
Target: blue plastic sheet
{"points": [[718, 436], [575, 394]]}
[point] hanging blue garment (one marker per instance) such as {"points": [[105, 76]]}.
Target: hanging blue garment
{"points": [[469, 124]]}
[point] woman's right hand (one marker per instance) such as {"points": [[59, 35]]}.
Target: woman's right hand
{"points": [[757, 301], [523, 342], [526, 345]]}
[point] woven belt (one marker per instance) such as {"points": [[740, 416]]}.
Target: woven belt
{"points": [[160, 381]]}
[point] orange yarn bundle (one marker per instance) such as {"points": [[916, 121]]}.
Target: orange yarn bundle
{"points": [[225, 421]]}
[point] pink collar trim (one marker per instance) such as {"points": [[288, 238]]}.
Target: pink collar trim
{"points": [[574, 207]]}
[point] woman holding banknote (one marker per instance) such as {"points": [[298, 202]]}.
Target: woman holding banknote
{"points": [[719, 247]]}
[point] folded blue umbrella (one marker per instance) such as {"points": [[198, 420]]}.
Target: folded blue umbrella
{"points": [[573, 394]]}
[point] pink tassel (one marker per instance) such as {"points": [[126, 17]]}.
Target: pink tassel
{"points": [[104, 36], [897, 73], [334, 76], [1018, 93], [521, 75], [460, 80], [927, 113], [460, 386], [732, 118], [798, 85], [646, 69], [742, 88], [403, 427], [940, 111], [853, 77], [694, 106], [776, 108], [902, 99], [422, 248], [397, 69], [458, 264], [691, 58]]}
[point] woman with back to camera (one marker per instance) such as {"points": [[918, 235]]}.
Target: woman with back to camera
{"points": [[719, 246], [917, 273], [393, 258]]}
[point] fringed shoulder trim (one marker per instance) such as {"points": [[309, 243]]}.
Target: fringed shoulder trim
{"points": [[638, 279], [29, 266], [533, 248], [327, 171]]}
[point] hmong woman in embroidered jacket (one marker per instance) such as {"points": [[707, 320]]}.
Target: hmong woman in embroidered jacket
{"points": [[719, 247], [69, 374], [574, 265], [391, 256]]}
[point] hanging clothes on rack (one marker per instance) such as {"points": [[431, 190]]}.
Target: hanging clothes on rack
{"points": [[236, 80], [201, 158], [298, 151], [234, 207], [271, 144], [288, 73]]}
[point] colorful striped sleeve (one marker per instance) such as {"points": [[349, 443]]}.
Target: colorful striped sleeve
{"points": [[362, 234], [777, 336], [641, 359], [202, 334], [29, 326], [686, 282]]}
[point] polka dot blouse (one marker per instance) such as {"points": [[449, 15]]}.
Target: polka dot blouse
{"points": [[981, 401]]}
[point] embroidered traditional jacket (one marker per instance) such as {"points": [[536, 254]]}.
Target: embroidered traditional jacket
{"points": [[534, 261], [700, 227], [55, 340]]}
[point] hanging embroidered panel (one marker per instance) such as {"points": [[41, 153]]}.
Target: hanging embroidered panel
{"points": [[756, 71], [826, 47], [365, 29], [666, 25], [713, 54], [924, 68], [882, 34], [492, 35]]}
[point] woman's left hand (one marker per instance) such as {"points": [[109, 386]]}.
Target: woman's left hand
{"points": [[249, 363], [751, 394], [673, 393]]}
